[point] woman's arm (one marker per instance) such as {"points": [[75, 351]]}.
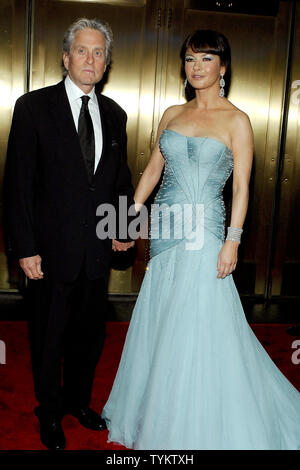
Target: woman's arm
{"points": [[242, 149], [153, 170]]}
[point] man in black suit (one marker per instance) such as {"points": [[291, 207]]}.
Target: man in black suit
{"points": [[66, 156]]}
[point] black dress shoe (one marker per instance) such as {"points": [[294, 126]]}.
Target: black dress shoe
{"points": [[88, 418], [293, 330], [51, 432]]}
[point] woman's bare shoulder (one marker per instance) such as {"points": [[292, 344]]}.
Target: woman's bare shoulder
{"points": [[240, 128], [238, 121], [173, 111], [170, 113], [237, 113]]}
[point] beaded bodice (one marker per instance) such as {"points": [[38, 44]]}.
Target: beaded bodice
{"points": [[196, 170]]}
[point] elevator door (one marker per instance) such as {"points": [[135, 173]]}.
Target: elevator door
{"points": [[131, 80], [285, 250], [145, 79], [259, 37], [13, 56]]}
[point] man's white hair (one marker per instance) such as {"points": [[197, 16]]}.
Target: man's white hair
{"points": [[83, 23]]}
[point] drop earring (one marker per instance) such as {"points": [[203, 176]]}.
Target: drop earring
{"points": [[222, 84], [184, 87]]}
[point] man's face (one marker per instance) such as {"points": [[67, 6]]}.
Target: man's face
{"points": [[86, 62]]}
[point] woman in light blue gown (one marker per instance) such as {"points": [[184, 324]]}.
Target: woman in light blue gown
{"points": [[192, 373]]}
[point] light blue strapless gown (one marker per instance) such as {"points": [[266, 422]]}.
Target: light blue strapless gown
{"points": [[192, 373]]}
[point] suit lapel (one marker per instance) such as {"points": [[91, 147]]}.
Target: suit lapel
{"points": [[62, 115], [106, 133]]}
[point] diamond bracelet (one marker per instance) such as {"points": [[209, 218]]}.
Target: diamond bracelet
{"points": [[234, 234]]}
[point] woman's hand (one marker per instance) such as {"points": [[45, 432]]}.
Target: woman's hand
{"points": [[227, 258]]}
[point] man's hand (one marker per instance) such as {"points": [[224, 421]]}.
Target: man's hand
{"points": [[121, 246], [32, 267]]}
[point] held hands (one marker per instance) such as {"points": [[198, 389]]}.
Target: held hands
{"points": [[121, 246], [227, 259], [32, 267]]}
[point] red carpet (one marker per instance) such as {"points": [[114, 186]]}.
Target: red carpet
{"points": [[19, 428]]}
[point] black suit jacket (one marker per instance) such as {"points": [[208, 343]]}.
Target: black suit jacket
{"points": [[50, 206]]}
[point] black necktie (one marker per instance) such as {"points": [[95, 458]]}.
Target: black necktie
{"points": [[86, 136]]}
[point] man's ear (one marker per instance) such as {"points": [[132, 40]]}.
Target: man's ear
{"points": [[66, 60]]}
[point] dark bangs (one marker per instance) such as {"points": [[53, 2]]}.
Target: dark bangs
{"points": [[209, 41]]}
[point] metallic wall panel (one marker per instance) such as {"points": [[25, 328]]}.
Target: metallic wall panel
{"points": [[131, 80], [12, 83], [286, 262], [145, 79], [256, 60]]}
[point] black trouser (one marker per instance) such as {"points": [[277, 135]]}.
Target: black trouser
{"points": [[67, 320]]}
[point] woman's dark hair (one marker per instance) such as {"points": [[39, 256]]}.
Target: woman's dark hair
{"points": [[212, 42]]}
